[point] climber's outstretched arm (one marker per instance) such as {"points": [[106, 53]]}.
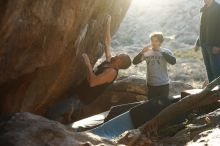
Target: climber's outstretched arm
{"points": [[108, 40]]}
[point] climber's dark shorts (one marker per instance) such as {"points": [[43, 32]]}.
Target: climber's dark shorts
{"points": [[158, 91]]}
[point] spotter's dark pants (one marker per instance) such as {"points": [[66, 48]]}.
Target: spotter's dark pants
{"points": [[212, 63], [158, 91]]}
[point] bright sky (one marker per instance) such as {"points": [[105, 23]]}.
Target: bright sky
{"points": [[145, 3]]}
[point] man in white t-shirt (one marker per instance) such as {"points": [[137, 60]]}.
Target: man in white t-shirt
{"points": [[156, 58]]}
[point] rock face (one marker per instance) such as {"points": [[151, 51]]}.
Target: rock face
{"points": [[24, 129], [134, 88], [41, 43]]}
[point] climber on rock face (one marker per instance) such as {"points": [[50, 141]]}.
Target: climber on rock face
{"points": [[97, 81], [105, 74]]}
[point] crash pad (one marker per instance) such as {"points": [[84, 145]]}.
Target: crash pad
{"points": [[90, 122], [146, 111], [96, 120], [133, 118], [114, 127]]}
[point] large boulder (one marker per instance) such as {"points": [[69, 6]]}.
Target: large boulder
{"points": [[25, 129], [41, 43]]}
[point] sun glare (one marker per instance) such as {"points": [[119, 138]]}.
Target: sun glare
{"points": [[142, 3], [151, 3]]}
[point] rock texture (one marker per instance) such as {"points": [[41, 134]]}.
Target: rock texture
{"points": [[133, 88], [41, 43], [25, 129]]}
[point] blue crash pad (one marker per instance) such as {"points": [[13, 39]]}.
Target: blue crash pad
{"points": [[131, 119], [114, 127]]}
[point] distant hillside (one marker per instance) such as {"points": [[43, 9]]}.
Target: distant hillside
{"points": [[177, 19]]}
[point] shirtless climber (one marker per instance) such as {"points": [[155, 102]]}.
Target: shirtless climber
{"points": [[96, 83]]}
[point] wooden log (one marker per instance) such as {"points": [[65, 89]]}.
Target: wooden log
{"points": [[205, 97]]}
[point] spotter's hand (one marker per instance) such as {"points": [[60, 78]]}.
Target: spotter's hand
{"points": [[145, 49]]}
